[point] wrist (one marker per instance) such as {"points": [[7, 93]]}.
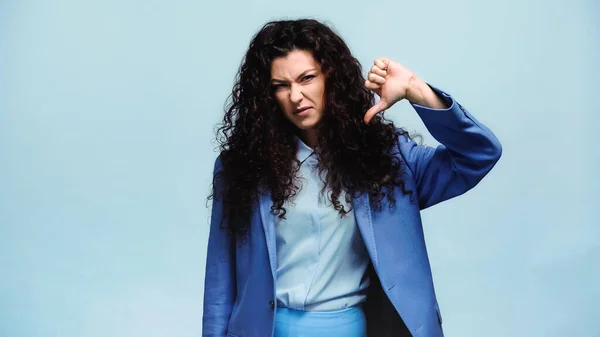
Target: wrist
{"points": [[415, 93], [420, 93]]}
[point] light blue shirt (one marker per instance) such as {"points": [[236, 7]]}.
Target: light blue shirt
{"points": [[321, 258]]}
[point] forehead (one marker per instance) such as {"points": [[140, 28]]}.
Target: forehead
{"points": [[293, 64]]}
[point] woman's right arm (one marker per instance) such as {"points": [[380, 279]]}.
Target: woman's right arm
{"points": [[219, 282]]}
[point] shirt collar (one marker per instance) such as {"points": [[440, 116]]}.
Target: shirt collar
{"points": [[304, 151]]}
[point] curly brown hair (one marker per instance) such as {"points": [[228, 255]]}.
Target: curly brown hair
{"points": [[257, 143]]}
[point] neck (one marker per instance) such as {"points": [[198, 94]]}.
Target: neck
{"points": [[310, 138]]}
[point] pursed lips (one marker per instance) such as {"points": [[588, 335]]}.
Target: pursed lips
{"points": [[302, 109]]}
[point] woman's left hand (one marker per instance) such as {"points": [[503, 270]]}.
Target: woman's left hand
{"points": [[393, 82]]}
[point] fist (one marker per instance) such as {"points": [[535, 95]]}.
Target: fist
{"points": [[390, 81]]}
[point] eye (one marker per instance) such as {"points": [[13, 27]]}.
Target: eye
{"points": [[308, 77], [277, 86]]}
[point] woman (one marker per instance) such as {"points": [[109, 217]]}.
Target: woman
{"points": [[315, 227]]}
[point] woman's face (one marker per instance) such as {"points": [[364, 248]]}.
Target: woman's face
{"points": [[299, 87]]}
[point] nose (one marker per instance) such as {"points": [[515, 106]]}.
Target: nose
{"points": [[296, 94]]}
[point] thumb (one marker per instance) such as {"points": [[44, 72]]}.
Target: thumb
{"points": [[375, 109]]}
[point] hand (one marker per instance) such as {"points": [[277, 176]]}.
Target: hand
{"points": [[391, 81]]}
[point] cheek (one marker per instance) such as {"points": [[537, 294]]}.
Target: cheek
{"points": [[319, 94], [279, 97], [283, 106]]}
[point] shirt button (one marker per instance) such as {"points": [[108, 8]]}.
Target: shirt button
{"points": [[272, 304]]}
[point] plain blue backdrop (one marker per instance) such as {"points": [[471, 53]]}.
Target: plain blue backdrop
{"points": [[107, 111]]}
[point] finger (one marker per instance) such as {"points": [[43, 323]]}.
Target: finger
{"points": [[372, 86], [382, 63], [378, 71], [376, 79], [376, 88], [375, 109]]}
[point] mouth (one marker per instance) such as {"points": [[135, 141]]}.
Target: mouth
{"points": [[302, 111]]}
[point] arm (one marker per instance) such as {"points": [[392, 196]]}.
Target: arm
{"points": [[219, 282], [468, 149], [468, 152]]}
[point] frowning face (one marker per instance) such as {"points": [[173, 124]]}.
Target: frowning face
{"points": [[299, 88]]}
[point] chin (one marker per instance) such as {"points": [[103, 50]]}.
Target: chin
{"points": [[306, 124]]}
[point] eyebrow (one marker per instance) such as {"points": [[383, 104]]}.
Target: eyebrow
{"points": [[299, 76]]}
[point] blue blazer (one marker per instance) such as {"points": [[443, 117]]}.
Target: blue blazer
{"points": [[239, 295]]}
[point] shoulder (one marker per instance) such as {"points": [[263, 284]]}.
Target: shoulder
{"points": [[409, 150], [406, 144], [217, 176], [218, 164]]}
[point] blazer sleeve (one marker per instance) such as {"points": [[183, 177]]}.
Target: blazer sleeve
{"points": [[468, 151], [219, 282]]}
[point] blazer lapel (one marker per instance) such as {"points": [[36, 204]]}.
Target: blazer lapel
{"points": [[364, 220], [268, 224]]}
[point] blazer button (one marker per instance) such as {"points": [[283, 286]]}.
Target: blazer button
{"points": [[272, 304]]}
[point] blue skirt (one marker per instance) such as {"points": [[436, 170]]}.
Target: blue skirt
{"points": [[348, 322]]}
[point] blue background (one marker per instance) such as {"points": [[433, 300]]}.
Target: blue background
{"points": [[107, 110]]}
